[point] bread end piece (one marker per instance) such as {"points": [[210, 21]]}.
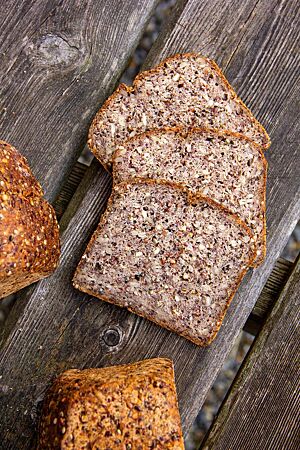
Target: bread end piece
{"points": [[121, 407], [29, 232]]}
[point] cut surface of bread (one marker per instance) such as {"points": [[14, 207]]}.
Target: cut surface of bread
{"points": [[226, 167], [185, 90], [168, 256], [121, 407], [29, 234]]}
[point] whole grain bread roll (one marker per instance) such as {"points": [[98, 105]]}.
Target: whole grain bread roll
{"points": [[127, 407], [29, 235], [185, 90], [227, 167], [168, 255]]}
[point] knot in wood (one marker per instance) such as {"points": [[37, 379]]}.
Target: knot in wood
{"points": [[112, 337], [54, 50]]}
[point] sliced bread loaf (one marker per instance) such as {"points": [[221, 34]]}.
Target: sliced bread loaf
{"points": [[187, 90], [119, 408], [29, 235], [229, 168], [169, 256]]}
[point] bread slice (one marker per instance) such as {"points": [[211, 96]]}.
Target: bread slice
{"points": [[185, 90], [229, 168], [121, 407], [29, 234], [169, 256]]}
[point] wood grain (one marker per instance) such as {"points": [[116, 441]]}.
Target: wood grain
{"points": [[60, 328], [59, 61], [262, 410], [213, 28]]}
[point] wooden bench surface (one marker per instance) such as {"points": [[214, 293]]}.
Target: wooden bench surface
{"points": [[59, 61], [54, 327], [263, 408]]}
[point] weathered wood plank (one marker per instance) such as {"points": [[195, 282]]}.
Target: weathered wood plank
{"points": [[59, 60], [61, 328], [213, 28], [262, 410]]}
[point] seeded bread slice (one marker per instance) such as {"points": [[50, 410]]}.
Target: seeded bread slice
{"points": [[167, 255], [120, 407], [29, 235], [187, 90], [229, 168]]}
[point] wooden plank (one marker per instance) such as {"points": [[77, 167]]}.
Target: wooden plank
{"points": [[59, 60], [262, 410], [60, 327]]}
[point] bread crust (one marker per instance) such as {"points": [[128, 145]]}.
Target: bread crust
{"points": [[185, 132], [142, 75], [29, 232], [60, 426], [191, 199], [15, 173]]}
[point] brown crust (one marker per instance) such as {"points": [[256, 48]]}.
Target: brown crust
{"points": [[59, 424], [142, 75], [191, 198], [106, 104], [15, 173], [29, 232], [184, 132]]}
